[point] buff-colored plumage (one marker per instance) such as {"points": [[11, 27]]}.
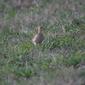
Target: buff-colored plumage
{"points": [[38, 38]]}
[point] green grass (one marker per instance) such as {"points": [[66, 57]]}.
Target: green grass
{"points": [[56, 59]]}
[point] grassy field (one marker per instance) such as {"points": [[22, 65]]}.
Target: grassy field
{"points": [[59, 60]]}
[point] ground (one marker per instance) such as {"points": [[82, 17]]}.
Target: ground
{"points": [[59, 60]]}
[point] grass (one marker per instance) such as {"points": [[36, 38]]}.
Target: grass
{"points": [[56, 61]]}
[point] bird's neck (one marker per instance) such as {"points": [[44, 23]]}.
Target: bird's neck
{"points": [[39, 32]]}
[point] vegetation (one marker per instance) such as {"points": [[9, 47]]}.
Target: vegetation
{"points": [[59, 60]]}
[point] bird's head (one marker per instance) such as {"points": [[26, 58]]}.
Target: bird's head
{"points": [[40, 29]]}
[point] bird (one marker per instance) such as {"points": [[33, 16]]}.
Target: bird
{"points": [[38, 37]]}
